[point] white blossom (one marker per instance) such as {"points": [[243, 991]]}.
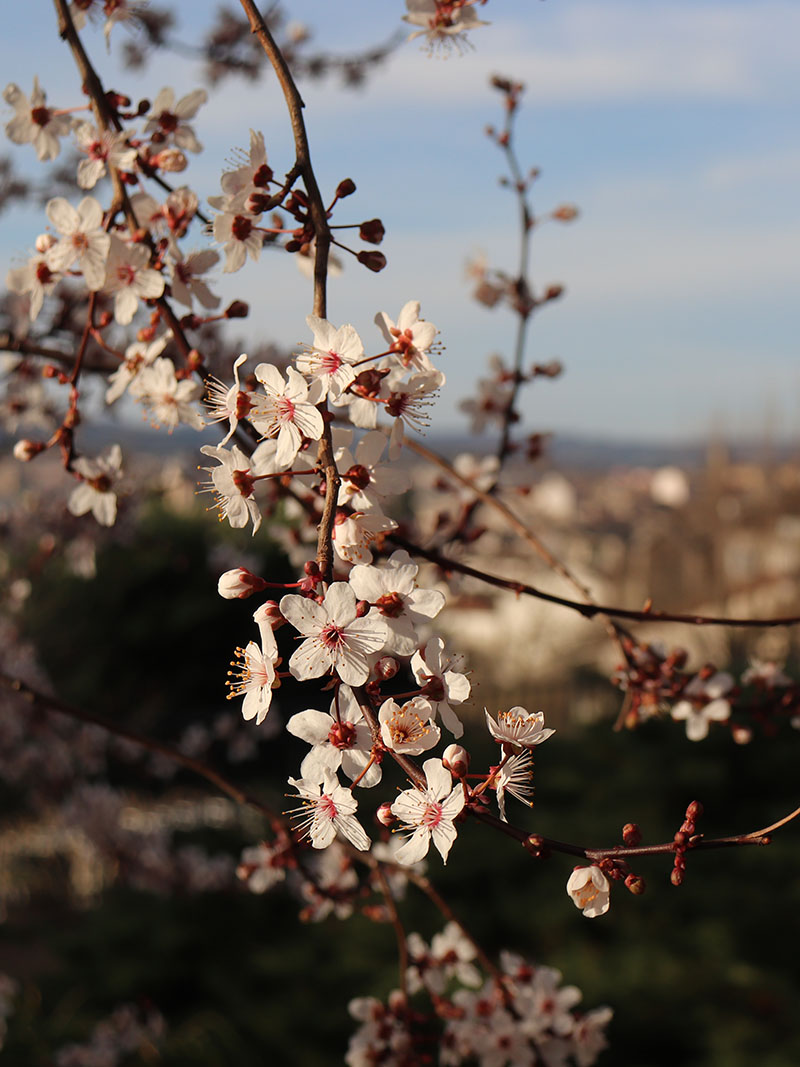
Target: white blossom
{"points": [[169, 118], [35, 123], [186, 283], [392, 588], [442, 682], [288, 413], [330, 359], [430, 811], [82, 238], [130, 278], [703, 703], [96, 491], [103, 149], [517, 727], [336, 639], [408, 729], [328, 808], [590, 890], [233, 483], [410, 337], [253, 676], [167, 399], [339, 739]]}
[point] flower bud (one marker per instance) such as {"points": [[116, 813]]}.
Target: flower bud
{"points": [[631, 834], [385, 815], [25, 450], [269, 614], [386, 668], [171, 160], [456, 760], [44, 242], [345, 188], [566, 213], [372, 231], [239, 584], [237, 310], [374, 261], [553, 292], [635, 884]]}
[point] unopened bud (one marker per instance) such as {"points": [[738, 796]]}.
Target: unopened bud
{"points": [[44, 242], [345, 188], [269, 614], [362, 608], [374, 261], [631, 834], [26, 450], [694, 811], [170, 160], [372, 231], [566, 213], [456, 760], [635, 884], [237, 310], [239, 584], [386, 668], [742, 735], [553, 292], [676, 877], [385, 815]]}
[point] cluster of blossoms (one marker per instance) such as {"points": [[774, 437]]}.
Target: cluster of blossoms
{"points": [[126, 1032], [654, 683], [521, 1016]]}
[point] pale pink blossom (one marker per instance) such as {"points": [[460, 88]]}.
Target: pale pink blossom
{"points": [[336, 638], [34, 122], [703, 703], [442, 682], [516, 727], [339, 739], [233, 484], [96, 491], [354, 533], [409, 338], [590, 890], [365, 482], [253, 676], [169, 118], [410, 400], [444, 25], [393, 590], [229, 404], [515, 776], [130, 278], [328, 808], [330, 359], [83, 239], [168, 400], [186, 281], [35, 280], [103, 149], [430, 811], [238, 234], [408, 729], [137, 356], [289, 412]]}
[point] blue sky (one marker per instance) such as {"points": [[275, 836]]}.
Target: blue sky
{"points": [[673, 126]]}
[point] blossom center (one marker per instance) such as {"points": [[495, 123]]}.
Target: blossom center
{"points": [[432, 816], [168, 121], [243, 480], [126, 274], [285, 409], [586, 894], [40, 115], [327, 807], [342, 735], [331, 362], [332, 636], [358, 475], [390, 605], [241, 227], [101, 484]]}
